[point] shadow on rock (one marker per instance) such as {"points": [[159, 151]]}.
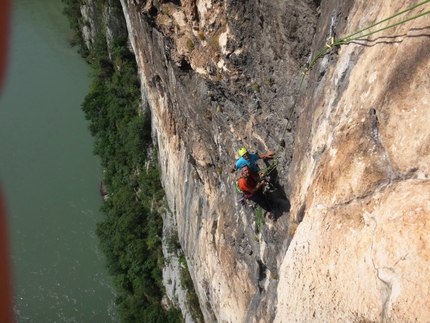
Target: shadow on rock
{"points": [[276, 197]]}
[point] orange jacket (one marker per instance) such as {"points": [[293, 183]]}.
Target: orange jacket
{"points": [[248, 185]]}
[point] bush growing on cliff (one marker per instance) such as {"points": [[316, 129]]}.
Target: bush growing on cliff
{"points": [[192, 298], [72, 10], [259, 219]]}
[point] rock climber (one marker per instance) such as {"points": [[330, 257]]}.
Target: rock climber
{"points": [[251, 188], [249, 159]]}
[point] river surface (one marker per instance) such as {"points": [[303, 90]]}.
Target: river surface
{"points": [[49, 176]]}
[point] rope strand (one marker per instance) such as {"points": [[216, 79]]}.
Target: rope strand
{"points": [[348, 39]]}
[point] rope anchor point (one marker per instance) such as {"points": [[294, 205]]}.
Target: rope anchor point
{"points": [[330, 42]]}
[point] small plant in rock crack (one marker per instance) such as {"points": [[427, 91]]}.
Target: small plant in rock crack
{"points": [[166, 10], [209, 115], [190, 44], [201, 35], [268, 81], [259, 219], [214, 43], [173, 243]]}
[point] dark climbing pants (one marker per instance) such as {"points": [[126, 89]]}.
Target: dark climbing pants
{"points": [[259, 198]]}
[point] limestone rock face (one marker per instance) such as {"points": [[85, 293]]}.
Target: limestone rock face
{"points": [[353, 172], [92, 23], [361, 182], [102, 18]]}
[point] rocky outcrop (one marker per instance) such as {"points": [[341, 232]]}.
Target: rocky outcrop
{"points": [[353, 173], [102, 19], [91, 24]]}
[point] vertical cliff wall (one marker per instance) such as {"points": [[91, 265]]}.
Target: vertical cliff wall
{"points": [[361, 176], [211, 89], [353, 159]]}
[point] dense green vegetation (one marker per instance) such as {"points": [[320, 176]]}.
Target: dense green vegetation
{"points": [[130, 235], [192, 298]]}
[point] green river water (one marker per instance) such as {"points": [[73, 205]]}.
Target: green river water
{"points": [[49, 176]]}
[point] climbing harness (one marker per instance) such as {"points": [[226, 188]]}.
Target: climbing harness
{"points": [[330, 43], [241, 199], [242, 196]]}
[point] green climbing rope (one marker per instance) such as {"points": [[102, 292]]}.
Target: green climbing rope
{"points": [[391, 17], [348, 39]]}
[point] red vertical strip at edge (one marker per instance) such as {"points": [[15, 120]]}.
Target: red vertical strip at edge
{"points": [[6, 312]]}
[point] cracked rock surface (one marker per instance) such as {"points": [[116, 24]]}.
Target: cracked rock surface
{"points": [[353, 173]]}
